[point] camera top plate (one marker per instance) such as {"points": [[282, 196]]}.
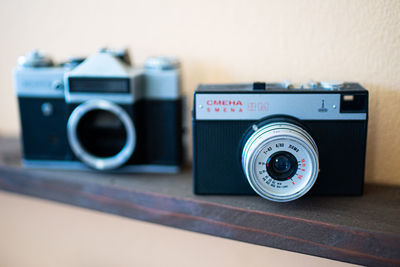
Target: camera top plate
{"points": [[284, 87]]}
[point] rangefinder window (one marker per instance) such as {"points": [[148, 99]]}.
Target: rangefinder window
{"points": [[99, 85]]}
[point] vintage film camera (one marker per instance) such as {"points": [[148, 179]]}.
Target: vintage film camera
{"points": [[280, 140], [100, 112]]}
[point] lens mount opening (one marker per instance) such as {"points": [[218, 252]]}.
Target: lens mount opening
{"points": [[101, 134]]}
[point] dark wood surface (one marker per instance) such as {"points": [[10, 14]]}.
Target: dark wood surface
{"points": [[363, 230]]}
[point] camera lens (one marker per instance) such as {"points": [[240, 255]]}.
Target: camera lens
{"points": [[281, 166], [280, 161]]}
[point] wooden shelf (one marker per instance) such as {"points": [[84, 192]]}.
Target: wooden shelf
{"points": [[363, 230]]}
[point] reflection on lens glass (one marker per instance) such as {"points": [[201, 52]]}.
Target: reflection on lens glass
{"points": [[282, 165], [101, 133]]}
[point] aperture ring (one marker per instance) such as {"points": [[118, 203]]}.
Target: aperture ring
{"points": [[286, 137]]}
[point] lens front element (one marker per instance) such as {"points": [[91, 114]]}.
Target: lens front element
{"points": [[280, 161], [282, 166]]}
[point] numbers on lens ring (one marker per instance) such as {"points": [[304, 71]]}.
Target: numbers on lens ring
{"points": [[294, 148], [267, 150], [280, 185], [276, 184], [267, 180]]}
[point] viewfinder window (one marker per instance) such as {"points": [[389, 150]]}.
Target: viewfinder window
{"points": [[99, 85]]}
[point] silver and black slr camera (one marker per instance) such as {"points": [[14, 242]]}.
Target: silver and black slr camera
{"points": [[278, 140], [100, 112]]}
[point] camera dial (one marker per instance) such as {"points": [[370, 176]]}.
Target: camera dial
{"points": [[161, 63], [280, 161], [35, 59]]}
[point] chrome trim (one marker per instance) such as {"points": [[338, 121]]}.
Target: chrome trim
{"points": [[93, 161], [273, 132], [255, 106]]}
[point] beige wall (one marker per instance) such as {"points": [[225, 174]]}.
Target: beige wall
{"points": [[229, 41]]}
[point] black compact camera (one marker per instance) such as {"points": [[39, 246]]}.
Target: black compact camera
{"points": [[280, 140], [101, 112]]}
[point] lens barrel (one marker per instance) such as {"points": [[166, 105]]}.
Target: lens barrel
{"points": [[280, 161]]}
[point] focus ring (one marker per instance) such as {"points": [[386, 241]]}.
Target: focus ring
{"points": [[264, 142]]}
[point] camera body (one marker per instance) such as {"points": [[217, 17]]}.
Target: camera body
{"points": [[100, 112], [278, 140]]}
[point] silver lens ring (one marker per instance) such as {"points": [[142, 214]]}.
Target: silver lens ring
{"points": [[101, 163], [272, 139]]}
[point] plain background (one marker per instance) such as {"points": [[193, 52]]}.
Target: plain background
{"points": [[228, 41]]}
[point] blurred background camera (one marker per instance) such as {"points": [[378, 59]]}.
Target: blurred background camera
{"points": [[100, 112]]}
